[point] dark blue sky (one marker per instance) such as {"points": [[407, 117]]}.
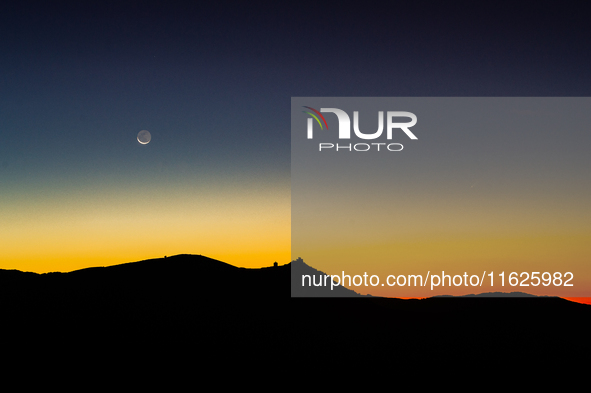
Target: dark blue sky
{"points": [[184, 65]]}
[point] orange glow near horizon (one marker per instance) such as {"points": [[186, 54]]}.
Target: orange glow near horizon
{"points": [[243, 226], [582, 300], [453, 235]]}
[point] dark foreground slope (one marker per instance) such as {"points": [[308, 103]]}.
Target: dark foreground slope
{"points": [[173, 294], [516, 327], [199, 306]]}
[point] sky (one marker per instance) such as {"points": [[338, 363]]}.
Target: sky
{"points": [[213, 84], [490, 185]]}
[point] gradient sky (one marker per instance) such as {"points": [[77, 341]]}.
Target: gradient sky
{"points": [[490, 185], [213, 83]]}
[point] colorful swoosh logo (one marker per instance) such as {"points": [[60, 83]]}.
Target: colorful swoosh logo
{"points": [[314, 116]]}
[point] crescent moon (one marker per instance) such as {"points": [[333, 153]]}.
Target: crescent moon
{"points": [[144, 137]]}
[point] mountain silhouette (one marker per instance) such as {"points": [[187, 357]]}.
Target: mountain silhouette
{"points": [[196, 305], [178, 296], [304, 278], [496, 294]]}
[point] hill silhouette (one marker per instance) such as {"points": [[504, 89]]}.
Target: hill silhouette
{"points": [[496, 294], [178, 287], [183, 297], [300, 269], [199, 305]]}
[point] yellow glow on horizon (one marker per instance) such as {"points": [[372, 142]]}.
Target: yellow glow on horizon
{"points": [[455, 254], [243, 227]]}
